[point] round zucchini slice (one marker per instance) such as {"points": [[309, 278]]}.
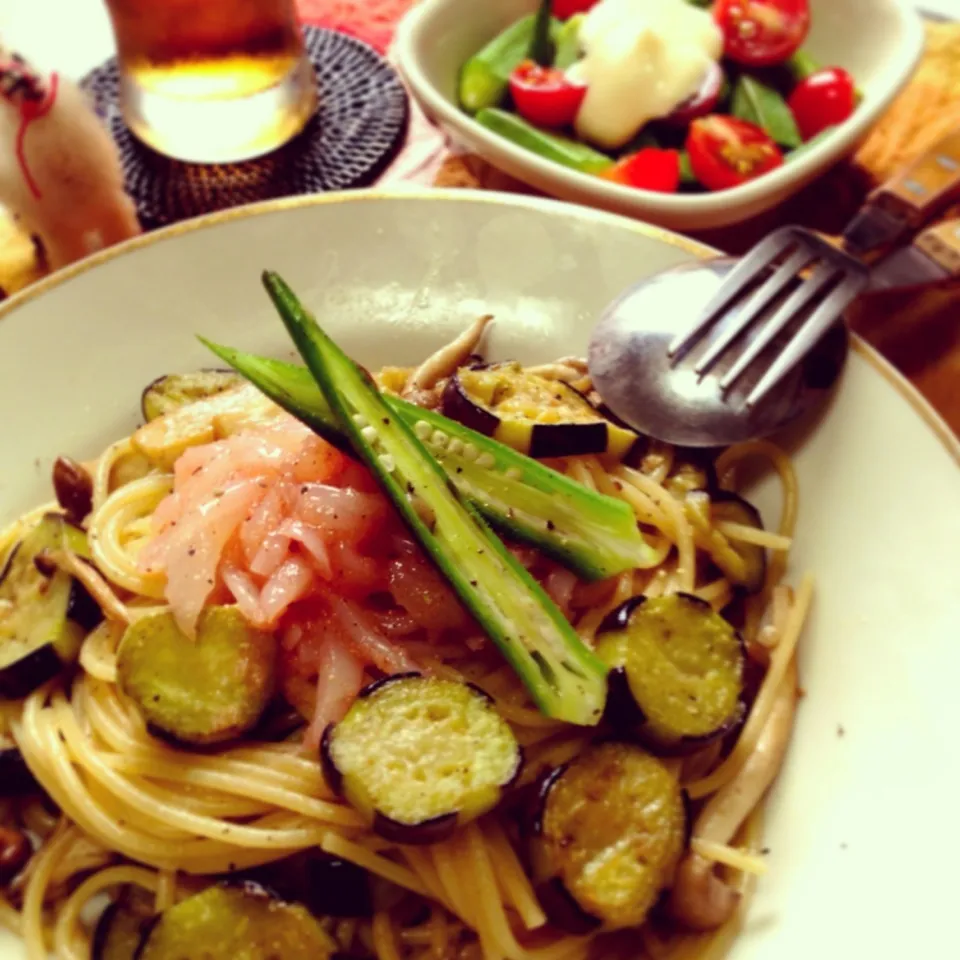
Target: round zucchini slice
{"points": [[417, 756], [610, 830], [676, 672], [236, 922], [537, 416], [176, 390], [198, 691]]}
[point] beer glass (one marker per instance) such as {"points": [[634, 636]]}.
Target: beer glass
{"points": [[212, 81]]}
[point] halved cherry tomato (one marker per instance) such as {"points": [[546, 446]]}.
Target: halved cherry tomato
{"points": [[648, 169], [759, 33], [726, 151], [564, 9], [826, 97], [545, 96]]}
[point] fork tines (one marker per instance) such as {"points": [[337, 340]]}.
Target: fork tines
{"points": [[769, 278]]}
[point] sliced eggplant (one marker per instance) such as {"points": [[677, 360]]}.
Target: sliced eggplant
{"points": [[327, 886], [236, 922], [121, 926], [689, 474], [676, 677], [729, 508], [537, 416], [164, 439], [44, 612], [176, 390], [610, 829], [418, 756], [16, 780], [73, 487], [201, 690]]}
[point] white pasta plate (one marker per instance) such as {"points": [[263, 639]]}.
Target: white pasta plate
{"points": [[861, 849]]}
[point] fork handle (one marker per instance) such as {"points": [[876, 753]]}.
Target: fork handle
{"points": [[915, 193]]}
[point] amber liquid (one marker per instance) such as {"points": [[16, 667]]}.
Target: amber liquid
{"points": [[212, 80]]}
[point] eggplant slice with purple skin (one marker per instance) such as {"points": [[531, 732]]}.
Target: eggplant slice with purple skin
{"points": [[537, 416], [198, 690], [730, 508], [233, 921], [609, 832], [44, 612], [120, 929], [176, 390], [419, 756], [676, 672], [326, 885]]}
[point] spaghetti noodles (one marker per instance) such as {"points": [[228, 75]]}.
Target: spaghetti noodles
{"points": [[138, 811]]}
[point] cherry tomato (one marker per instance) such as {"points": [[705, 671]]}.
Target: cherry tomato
{"points": [[826, 97], [759, 33], [726, 151], [564, 9], [702, 102], [648, 169], [544, 96]]}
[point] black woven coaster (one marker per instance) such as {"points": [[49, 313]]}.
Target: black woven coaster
{"points": [[359, 128]]}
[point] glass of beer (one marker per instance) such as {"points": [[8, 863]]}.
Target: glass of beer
{"points": [[212, 81]]}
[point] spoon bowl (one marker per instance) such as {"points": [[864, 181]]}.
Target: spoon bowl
{"points": [[632, 371]]}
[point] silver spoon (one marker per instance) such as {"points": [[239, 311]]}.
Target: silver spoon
{"points": [[632, 371]]}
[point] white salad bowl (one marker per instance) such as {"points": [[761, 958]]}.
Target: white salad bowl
{"points": [[877, 41], [861, 852]]}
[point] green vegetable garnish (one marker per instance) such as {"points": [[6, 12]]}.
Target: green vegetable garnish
{"points": [[594, 535], [763, 106], [562, 150], [563, 676]]}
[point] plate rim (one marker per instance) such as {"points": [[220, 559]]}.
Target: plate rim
{"points": [[920, 405]]}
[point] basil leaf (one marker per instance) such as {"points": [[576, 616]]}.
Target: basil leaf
{"points": [[762, 105]]}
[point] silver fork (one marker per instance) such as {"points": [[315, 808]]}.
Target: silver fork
{"points": [[912, 196], [818, 299]]}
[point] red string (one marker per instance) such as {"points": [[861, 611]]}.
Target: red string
{"points": [[30, 110]]}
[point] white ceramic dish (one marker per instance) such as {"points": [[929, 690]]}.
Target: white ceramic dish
{"points": [[862, 846], [878, 41]]}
